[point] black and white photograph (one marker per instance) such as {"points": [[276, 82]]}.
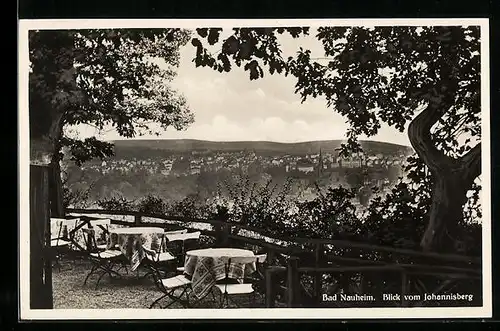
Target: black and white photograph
{"points": [[284, 169]]}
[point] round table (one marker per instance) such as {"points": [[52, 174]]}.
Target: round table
{"points": [[131, 240], [71, 229], [207, 266], [220, 252], [137, 230]]}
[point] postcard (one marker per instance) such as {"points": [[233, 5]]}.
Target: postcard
{"points": [[278, 169]]}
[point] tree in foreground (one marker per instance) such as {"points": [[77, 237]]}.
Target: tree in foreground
{"points": [[101, 78], [425, 80]]}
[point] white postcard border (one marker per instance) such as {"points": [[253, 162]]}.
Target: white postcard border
{"points": [[255, 313]]}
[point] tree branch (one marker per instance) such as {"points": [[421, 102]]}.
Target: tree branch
{"points": [[420, 138], [470, 163]]}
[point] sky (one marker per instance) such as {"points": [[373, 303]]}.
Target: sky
{"points": [[230, 107]]}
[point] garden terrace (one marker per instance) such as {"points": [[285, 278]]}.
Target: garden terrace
{"points": [[299, 271]]}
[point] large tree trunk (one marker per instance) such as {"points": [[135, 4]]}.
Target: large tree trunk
{"points": [[56, 191], [452, 178], [48, 101], [449, 196]]}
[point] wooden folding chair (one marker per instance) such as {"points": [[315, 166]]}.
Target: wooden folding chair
{"points": [[183, 238], [168, 286], [59, 243], [101, 243], [160, 259], [228, 288], [103, 262]]}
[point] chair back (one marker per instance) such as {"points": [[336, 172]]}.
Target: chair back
{"points": [[183, 236], [90, 240], [152, 254], [101, 232], [261, 258], [103, 222], [56, 228], [100, 223], [162, 247]]}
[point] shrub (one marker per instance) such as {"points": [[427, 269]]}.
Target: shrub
{"points": [[152, 205], [117, 203]]}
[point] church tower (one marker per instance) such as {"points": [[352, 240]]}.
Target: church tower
{"points": [[320, 163]]}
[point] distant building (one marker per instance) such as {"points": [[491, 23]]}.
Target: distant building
{"points": [[195, 168], [305, 166]]}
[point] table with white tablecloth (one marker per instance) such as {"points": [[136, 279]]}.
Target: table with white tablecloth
{"points": [[130, 241], [71, 229], [207, 266]]}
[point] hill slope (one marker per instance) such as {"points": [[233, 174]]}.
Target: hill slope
{"points": [[259, 147]]}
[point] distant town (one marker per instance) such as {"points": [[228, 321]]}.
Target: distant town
{"points": [[194, 163], [173, 169]]}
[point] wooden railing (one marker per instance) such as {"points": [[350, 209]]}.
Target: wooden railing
{"points": [[310, 256], [294, 271]]}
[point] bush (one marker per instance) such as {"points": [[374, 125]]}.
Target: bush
{"points": [[118, 203], [152, 205]]}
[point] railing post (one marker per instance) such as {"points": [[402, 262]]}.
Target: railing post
{"points": [[270, 291], [293, 281], [404, 288], [222, 239], [226, 229], [223, 235], [270, 257], [317, 280], [137, 219]]}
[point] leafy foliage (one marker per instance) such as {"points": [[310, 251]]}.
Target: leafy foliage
{"points": [[253, 204], [190, 207], [116, 203], [331, 215], [152, 205], [76, 198], [87, 149], [395, 219], [251, 48], [105, 77], [373, 75], [376, 75]]}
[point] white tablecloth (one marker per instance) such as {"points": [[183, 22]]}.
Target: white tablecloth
{"points": [[207, 266], [68, 231], [131, 240]]}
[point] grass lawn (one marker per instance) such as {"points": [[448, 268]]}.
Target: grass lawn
{"points": [[130, 291]]}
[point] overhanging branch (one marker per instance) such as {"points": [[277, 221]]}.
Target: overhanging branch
{"points": [[470, 163], [419, 133]]}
